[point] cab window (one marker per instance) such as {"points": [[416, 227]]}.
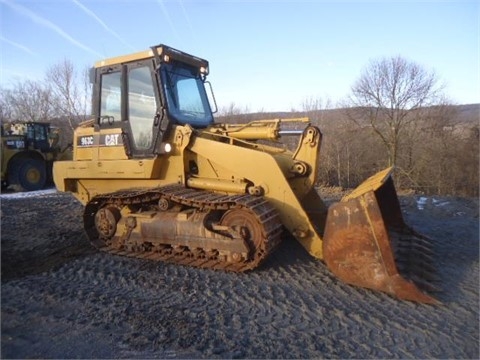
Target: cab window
{"points": [[142, 106], [111, 99]]}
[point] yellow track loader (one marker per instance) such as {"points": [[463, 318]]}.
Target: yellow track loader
{"points": [[161, 180]]}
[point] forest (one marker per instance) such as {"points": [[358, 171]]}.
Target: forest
{"points": [[438, 152]]}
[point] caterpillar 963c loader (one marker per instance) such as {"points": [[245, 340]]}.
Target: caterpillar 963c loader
{"points": [[160, 180]]}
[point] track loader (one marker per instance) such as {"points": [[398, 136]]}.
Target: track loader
{"points": [[160, 180]]}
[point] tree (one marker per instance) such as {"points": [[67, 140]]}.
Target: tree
{"points": [[26, 101], [70, 91], [231, 111], [315, 104], [62, 99], [386, 96]]}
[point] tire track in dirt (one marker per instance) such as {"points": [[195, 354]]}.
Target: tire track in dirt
{"points": [[99, 305]]}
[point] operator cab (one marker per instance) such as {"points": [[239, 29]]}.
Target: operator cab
{"points": [[146, 93], [25, 135]]}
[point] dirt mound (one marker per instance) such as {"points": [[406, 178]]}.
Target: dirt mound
{"points": [[62, 299]]}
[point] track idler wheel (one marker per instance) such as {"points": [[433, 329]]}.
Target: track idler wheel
{"points": [[106, 220], [244, 223]]}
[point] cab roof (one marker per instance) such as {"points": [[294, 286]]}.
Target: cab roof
{"points": [[164, 54]]}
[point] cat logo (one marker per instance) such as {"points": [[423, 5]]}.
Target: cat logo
{"points": [[111, 140]]}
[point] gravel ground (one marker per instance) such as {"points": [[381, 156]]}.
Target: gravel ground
{"points": [[63, 299]]}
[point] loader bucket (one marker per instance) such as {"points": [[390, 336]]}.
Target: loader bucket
{"points": [[367, 243]]}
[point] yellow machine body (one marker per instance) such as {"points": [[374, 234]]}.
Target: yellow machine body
{"points": [[225, 164]]}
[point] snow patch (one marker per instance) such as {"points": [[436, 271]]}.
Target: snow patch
{"points": [[431, 203], [421, 202], [29, 194], [440, 202]]}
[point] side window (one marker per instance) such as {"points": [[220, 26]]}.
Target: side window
{"points": [[40, 134], [110, 96], [31, 132], [142, 106]]}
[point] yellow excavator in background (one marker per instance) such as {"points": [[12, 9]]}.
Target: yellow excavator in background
{"points": [[160, 180]]}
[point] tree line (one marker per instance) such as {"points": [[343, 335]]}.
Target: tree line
{"points": [[396, 115], [438, 155], [62, 98]]}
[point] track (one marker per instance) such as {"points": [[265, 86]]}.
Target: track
{"points": [[254, 216]]}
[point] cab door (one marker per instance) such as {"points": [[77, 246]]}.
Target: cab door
{"points": [[142, 108], [128, 110]]}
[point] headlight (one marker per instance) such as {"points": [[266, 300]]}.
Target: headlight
{"points": [[167, 147]]}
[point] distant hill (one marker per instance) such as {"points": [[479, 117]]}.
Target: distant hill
{"points": [[463, 114], [468, 113]]}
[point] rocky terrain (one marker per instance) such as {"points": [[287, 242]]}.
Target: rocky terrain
{"points": [[60, 298]]}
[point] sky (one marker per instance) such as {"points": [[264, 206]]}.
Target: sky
{"points": [[264, 55]]}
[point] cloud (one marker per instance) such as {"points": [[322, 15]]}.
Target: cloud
{"points": [[167, 17], [187, 18], [17, 45], [48, 24], [101, 22]]}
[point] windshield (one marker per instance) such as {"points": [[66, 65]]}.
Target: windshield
{"points": [[187, 100]]}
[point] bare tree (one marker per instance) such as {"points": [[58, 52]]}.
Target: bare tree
{"points": [[233, 113], [312, 103], [386, 96], [6, 108], [26, 101], [314, 108], [69, 90], [233, 109]]}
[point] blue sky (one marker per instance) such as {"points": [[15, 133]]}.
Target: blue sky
{"points": [[264, 55]]}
